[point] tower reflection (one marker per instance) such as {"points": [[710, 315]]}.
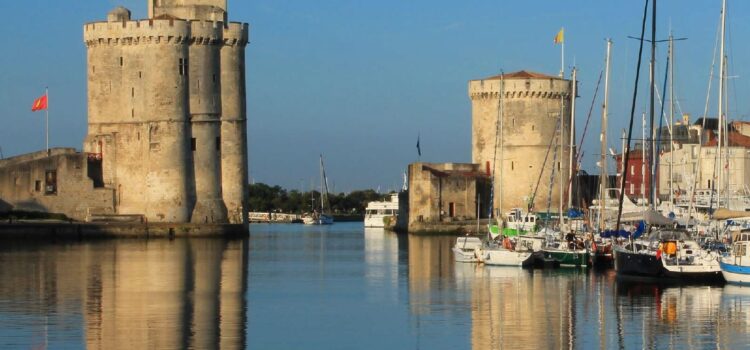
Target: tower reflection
{"points": [[138, 294]]}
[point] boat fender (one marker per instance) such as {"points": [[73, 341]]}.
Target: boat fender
{"points": [[658, 252]]}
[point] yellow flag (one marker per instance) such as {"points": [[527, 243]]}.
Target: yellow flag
{"points": [[560, 36]]}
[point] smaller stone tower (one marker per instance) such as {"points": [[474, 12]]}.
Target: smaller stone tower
{"points": [[532, 108], [205, 119], [205, 10], [234, 165]]}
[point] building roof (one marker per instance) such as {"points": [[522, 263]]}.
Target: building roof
{"points": [[734, 139], [522, 74]]}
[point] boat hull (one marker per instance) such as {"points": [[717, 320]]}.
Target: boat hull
{"points": [[575, 258], [636, 264], [735, 274], [602, 260], [503, 257], [322, 220], [465, 256]]}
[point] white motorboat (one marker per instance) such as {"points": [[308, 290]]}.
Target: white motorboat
{"points": [[378, 212], [468, 249]]}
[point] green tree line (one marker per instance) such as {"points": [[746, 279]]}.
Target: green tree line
{"points": [[265, 198]]}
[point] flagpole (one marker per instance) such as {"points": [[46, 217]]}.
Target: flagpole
{"points": [[46, 120], [562, 55]]}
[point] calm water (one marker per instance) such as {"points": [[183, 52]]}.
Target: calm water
{"points": [[337, 287]]}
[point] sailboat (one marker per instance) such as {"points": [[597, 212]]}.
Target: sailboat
{"points": [[322, 217], [507, 253], [666, 253]]}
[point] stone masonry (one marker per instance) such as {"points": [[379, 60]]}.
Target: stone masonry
{"points": [[532, 104], [167, 113]]}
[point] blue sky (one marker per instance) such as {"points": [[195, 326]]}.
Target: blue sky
{"points": [[358, 80]]}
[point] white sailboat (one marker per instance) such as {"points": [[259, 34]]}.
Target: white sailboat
{"points": [[507, 253], [322, 217]]}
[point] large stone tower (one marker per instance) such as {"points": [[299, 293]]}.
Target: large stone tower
{"points": [[532, 105], [155, 111]]}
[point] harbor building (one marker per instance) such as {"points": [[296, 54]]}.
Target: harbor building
{"points": [[442, 193], [698, 166], [533, 115], [167, 124], [528, 162]]}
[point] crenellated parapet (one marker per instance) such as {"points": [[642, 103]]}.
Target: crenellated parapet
{"points": [[490, 95], [236, 34], [526, 87], [151, 31], [206, 33]]}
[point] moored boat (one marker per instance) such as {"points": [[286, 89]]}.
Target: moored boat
{"points": [[378, 212], [667, 254], [322, 217], [467, 249], [735, 267]]}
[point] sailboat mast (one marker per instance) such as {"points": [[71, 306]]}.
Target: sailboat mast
{"points": [[652, 80], [502, 145], [562, 145], [572, 136], [721, 99], [671, 119], [603, 180], [644, 162], [322, 180]]}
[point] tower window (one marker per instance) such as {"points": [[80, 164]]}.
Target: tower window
{"points": [[122, 61], [218, 143], [183, 66], [50, 182], [192, 144]]}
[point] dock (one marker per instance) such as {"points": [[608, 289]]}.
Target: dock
{"points": [[35, 230]]}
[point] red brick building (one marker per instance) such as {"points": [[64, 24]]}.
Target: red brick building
{"points": [[638, 182]]}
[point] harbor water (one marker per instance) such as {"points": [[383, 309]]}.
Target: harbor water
{"points": [[338, 287]]}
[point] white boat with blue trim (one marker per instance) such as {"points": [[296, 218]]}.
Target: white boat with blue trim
{"points": [[735, 267]]}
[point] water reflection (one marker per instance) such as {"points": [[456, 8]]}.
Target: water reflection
{"points": [[570, 308], [297, 287], [384, 253], [124, 294]]}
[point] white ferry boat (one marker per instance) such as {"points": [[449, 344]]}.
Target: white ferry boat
{"points": [[377, 212]]}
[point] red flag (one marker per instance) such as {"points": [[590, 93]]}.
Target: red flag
{"points": [[39, 104]]}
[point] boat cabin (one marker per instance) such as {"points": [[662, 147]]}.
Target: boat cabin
{"points": [[517, 219]]}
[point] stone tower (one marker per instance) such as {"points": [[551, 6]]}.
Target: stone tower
{"points": [[155, 111], [532, 104]]}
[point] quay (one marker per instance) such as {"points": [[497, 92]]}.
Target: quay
{"points": [[35, 230]]}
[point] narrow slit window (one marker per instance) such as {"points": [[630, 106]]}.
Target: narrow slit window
{"points": [[192, 144], [218, 143]]}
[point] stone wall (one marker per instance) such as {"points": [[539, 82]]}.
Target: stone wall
{"points": [[444, 192], [58, 183]]}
